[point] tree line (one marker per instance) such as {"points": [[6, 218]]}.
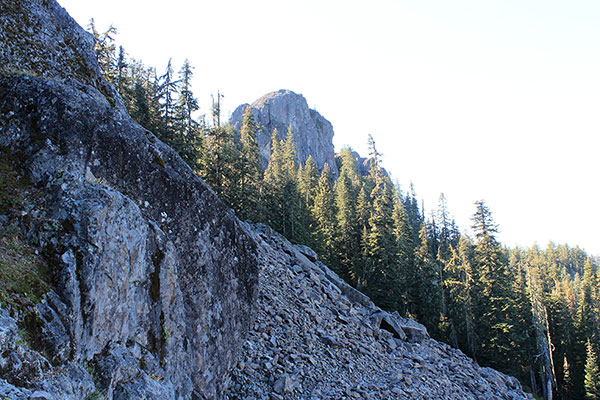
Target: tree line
{"points": [[532, 313]]}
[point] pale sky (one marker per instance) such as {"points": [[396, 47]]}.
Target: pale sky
{"points": [[495, 100]]}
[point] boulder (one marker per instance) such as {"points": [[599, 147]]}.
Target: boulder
{"points": [[401, 327], [307, 252]]}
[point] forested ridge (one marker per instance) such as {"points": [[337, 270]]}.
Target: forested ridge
{"points": [[529, 312]]}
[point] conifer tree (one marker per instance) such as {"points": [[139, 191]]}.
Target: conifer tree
{"points": [[105, 48], [249, 201], [308, 182], [592, 374], [542, 329], [363, 208], [347, 233], [405, 258], [363, 214], [447, 233], [324, 213], [567, 385], [187, 140], [274, 171], [349, 168], [167, 89], [382, 269], [467, 276], [289, 154], [219, 162], [459, 284], [494, 325], [294, 227], [273, 185], [428, 284]]}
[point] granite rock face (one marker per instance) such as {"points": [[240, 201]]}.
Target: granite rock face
{"points": [[313, 339], [153, 278], [278, 110]]}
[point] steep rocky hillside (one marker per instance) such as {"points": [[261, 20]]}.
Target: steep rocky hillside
{"points": [[149, 281], [278, 110], [123, 276], [317, 338]]}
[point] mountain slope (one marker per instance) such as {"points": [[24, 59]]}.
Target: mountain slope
{"points": [[317, 338], [149, 283]]}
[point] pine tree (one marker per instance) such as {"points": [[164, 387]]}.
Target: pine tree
{"points": [[592, 374]]}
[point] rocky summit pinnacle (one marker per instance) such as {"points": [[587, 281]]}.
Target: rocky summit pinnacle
{"points": [[278, 110]]}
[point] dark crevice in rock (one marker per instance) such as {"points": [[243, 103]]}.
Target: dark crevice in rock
{"points": [[157, 259], [386, 326], [83, 292]]}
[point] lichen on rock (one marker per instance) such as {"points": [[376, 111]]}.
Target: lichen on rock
{"points": [[152, 278]]}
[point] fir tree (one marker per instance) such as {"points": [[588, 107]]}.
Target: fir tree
{"points": [[494, 327], [187, 141], [427, 284], [166, 92], [592, 374], [105, 48], [273, 185], [324, 214], [308, 182], [249, 200], [293, 226], [459, 284], [347, 234], [219, 163], [382, 269], [404, 257]]}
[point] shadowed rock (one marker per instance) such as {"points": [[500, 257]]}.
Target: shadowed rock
{"points": [[154, 279]]}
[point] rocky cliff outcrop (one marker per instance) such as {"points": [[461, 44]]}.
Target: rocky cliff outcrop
{"points": [[152, 279], [278, 110], [147, 283], [317, 338]]}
